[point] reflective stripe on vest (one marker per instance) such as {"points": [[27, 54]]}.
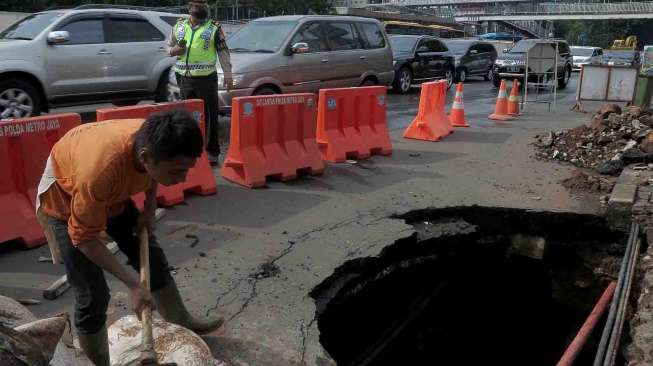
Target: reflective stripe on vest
{"points": [[201, 56]]}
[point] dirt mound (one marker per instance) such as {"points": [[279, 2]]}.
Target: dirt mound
{"points": [[614, 139]]}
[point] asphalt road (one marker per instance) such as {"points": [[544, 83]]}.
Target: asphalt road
{"points": [[310, 226]]}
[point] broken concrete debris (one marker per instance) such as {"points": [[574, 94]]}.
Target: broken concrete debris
{"points": [[613, 140]]}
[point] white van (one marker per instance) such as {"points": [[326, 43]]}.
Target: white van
{"points": [[586, 56]]}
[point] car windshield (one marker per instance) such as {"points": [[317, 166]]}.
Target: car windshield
{"points": [[581, 51], [522, 47], [261, 36], [458, 47], [30, 27], [619, 55], [403, 44]]}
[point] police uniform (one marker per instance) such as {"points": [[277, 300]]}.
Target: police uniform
{"points": [[196, 70]]}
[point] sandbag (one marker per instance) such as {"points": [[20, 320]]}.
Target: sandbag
{"points": [[172, 343]]}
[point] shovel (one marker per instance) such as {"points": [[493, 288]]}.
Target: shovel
{"points": [[148, 355]]}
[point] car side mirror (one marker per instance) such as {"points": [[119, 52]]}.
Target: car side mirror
{"points": [[473, 52], [299, 48], [58, 37]]}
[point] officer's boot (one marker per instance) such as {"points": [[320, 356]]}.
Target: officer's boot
{"points": [[96, 346], [172, 309]]}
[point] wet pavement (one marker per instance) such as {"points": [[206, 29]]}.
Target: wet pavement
{"points": [[306, 229]]}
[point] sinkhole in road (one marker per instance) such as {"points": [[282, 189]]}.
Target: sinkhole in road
{"points": [[472, 286]]}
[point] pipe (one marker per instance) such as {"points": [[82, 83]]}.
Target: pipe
{"points": [[607, 330], [579, 341], [613, 347]]}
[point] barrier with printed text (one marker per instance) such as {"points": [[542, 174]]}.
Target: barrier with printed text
{"points": [[25, 145], [352, 123], [431, 123], [200, 179], [272, 136]]}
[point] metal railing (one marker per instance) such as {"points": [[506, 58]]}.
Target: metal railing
{"points": [[561, 8]]}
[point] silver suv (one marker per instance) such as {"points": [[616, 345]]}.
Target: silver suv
{"points": [[83, 56], [304, 53]]}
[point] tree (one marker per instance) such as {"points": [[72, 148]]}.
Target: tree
{"points": [[602, 33]]}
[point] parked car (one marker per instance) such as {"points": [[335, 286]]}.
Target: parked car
{"points": [[622, 58], [83, 56], [512, 64], [419, 59], [303, 53], [586, 56], [500, 36], [472, 58]]}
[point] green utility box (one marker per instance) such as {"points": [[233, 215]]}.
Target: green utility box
{"points": [[644, 92]]}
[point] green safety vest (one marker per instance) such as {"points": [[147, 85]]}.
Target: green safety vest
{"points": [[201, 56]]}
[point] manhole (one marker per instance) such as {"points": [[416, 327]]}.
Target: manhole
{"points": [[474, 286]]}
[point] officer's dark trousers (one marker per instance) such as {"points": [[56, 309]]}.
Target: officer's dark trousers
{"points": [[205, 88]]}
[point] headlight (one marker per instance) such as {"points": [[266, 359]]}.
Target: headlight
{"points": [[237, 79], [394, 62], [500, 62], [172, 77]]}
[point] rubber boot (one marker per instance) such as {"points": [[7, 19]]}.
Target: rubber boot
{"points": [[96, 346], [172, 309]]}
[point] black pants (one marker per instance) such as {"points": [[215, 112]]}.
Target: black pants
{"points": [[205, 88], [87, 279]]}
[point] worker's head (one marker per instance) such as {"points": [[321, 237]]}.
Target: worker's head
{"points": [[167, 145], [198, 9]]}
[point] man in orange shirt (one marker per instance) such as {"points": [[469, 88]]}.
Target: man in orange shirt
{"points": [[90, 176]]}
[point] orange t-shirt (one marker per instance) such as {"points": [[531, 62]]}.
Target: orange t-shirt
{"points": [[95, 176]]}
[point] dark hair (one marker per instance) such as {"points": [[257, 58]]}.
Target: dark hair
{"points": [[170, 134]]}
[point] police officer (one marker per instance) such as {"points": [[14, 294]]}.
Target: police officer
{"points": [[198, 43]]}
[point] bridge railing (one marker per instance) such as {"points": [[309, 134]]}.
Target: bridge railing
{"points": [[560, 8]]}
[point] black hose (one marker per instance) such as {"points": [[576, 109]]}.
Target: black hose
{"points": [[609, 324]]}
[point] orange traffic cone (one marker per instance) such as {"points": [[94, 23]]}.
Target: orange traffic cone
{"points": [[457, 117], [513, 101], [501, 109]]}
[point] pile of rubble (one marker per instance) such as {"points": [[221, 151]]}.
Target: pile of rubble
{"points": [[614, 139]]}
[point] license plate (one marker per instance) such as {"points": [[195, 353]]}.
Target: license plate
{"points": [[512, 69]]}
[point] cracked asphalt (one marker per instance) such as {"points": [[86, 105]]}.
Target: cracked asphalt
{"points": [[262, 251]]}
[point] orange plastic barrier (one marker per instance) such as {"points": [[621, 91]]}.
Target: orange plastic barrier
{"points": [[272, 136], [352, 123], [431, 123], [25, 145], [200, 179]]}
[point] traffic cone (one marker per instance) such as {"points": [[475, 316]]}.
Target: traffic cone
{"points": [[501, 108], [513, 101], [457, 116]]}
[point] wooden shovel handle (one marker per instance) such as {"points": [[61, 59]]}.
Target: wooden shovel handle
{"points": [[148, 356]]}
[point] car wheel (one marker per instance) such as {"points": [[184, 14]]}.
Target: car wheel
{"points": [[462, 75], [19, 99], [369, 82], [403, 81], [125, 103], [562, 83], [449, 77], [496, 81], [266, 90], [161, 94], [489, 76]]}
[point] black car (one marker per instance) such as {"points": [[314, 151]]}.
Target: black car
{"points": [[418, 59], [512, 64], [472, 58]]}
